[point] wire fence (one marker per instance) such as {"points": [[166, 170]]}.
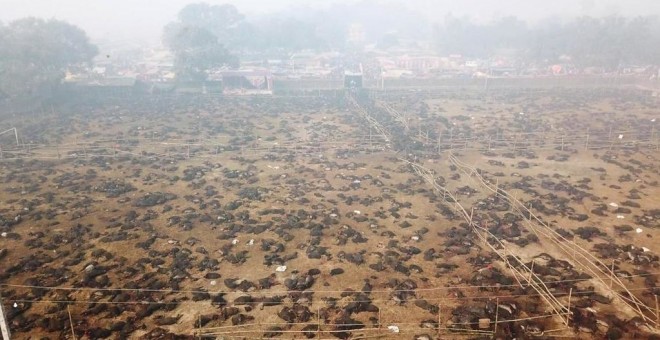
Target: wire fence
{"points": [[179, 149], [579, 256], [379, 140], [382, 327]]}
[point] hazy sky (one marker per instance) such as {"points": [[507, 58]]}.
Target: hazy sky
{"points": [[134, 20]]}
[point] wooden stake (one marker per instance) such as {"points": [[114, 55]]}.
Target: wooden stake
{"points": [[73, 332], [440, 318], [657, 311], [586, 144], [318, 322], [568, 315], [612, 274], [497, 314], [199, 325], [439, 141], [4, 327], [485, 240], [380, 323]]}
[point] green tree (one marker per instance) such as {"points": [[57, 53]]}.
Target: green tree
{"points": [[35, 53], [196, 50], [224, 21], [200, 36]]}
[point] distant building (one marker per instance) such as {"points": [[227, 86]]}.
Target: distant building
{"points": [[247, 81], [103, 86], [352, 80], [419, 64], [205, 86]]}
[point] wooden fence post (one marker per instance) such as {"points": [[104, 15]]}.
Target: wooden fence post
{"points": [[318, 322], [568, 316], [4, 327], [657, 312], [199, 325], [586, 144], [497, 314], [440, 318], [73, 332]]}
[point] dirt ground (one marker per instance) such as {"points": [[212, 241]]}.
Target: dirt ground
{"points": [[244, 186]]}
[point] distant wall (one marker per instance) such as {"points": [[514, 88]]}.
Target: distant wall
{"points": [[307, 84], [545, 82], [335, 88]]}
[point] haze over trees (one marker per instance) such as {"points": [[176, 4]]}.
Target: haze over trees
{"points": [[199, 37], [608, 43], [204, 35], [35, 53], [600, 42]]}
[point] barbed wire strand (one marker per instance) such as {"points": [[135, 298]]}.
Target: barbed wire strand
{"points": [[307, 291]]}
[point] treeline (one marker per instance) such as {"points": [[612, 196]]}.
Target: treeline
{"points": [[34, 54], [205, 36], [601, 42]]}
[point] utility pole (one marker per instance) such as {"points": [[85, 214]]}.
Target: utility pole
{"points": [[4, 328]]}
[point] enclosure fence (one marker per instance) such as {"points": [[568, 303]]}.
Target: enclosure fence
{"points": [[580, 257], [378, 140]]}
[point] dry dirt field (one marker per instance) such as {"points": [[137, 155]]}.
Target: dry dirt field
{"points": [[274, 217]]}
